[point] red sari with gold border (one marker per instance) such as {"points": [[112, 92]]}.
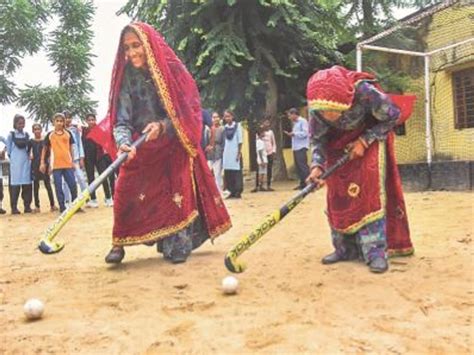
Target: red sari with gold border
{"points": [[168, 184]]}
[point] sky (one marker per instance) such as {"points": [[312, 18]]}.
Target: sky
{"points": [[36, 69], [107, 26]]}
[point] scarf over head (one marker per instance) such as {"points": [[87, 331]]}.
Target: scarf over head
{"points": [[180, 98]]}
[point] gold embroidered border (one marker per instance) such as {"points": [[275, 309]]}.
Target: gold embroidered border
{"points": [[160, 83], [220, 230], [373, 216], [392, 253], [156, 234], [327, 105]]}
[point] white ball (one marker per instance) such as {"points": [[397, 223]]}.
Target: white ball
{"points": [[33, 309], [230, 285]]}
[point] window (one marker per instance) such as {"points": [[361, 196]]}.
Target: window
{"points": [[463, 89]]}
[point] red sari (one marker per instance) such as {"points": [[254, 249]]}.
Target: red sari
{"points": [[367, 189], [168, 184]]}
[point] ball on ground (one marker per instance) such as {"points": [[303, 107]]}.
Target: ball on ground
{"points": [[33, 309], [230, 285]]}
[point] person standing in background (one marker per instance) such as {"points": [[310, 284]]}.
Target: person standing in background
{"points": [[78, 157], [96, 158], [232, 157], [300, 145], [2, 158], [216, 148], [270, 148], [37, 144], [18, 146]]}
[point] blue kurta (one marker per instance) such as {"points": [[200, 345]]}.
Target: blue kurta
{"points": [[231, 149], [20, 164]]}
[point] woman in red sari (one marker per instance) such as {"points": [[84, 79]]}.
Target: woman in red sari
{"points": [[165, 193], [366, 210]]}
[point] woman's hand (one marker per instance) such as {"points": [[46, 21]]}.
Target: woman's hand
{"points": [[132, 151], [42, 168], [357, 148], [153, 130], [314, 175]]}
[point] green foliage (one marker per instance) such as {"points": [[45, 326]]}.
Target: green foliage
{"points": [[235, 48], [21, 24], [69, 51]]}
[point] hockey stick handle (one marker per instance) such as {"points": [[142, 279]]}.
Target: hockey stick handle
{"points": [[81, 200], [272, 219]]}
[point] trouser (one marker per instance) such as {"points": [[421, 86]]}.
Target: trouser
{"points": [[269, 169], [68, 175], [301, 164], [1, 192], [216, 167], [234, 182], [26, 196], [47, 185], [80, 178], [100, 165], [183, 242], [370, 242]]}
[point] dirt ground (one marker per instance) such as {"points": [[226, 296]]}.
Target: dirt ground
{"points": [[288, 301]]}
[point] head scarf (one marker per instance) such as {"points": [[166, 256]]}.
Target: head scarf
{"points": [[333, 89], [174, 85]]}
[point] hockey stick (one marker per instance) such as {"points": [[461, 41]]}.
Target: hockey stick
{"points": [[47, 244], [272, 219]]}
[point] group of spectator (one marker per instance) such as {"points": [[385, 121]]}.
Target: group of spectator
{"points": [[62, 153]]}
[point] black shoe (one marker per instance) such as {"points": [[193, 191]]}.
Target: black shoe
{"points": [[254, 190], [178, 259], [115, 255], [331, 259], [16, 212], [28, 210], [2, 211], [378, 265]]}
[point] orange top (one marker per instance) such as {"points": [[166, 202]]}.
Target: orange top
{"points": [[60, 144]]}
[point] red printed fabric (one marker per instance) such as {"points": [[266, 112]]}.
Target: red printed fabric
{"points": [[364, 190], [170, 174]]}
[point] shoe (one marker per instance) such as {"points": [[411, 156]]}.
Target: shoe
{"points": [[80, 210], [16, 212], [178, 258], [254, 190], [331, 259], [53, 209], [28, 210], [226, 194], [109, 202], [261, 188], [270, 189], [92, 204], [297, 188], [2, 211], [378, 265], [115, 255]]}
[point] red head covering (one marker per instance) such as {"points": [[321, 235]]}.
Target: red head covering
{"points": [[174, 84], [333, 89]]}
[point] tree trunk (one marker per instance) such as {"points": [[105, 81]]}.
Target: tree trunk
{"points": [[271, 111], [368, 20]]}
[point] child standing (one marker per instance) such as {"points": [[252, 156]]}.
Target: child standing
{"points": [[18, 146], [60, 142], [77, 157], [262, 160], [37, 144]]}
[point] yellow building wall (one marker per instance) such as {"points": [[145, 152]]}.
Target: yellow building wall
{"points": [[446, 27]]}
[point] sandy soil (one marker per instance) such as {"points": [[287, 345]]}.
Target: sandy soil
{"points": [[288, 302]]}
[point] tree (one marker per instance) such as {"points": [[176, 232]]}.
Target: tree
{"points": [[253, 57], [69, 52], [21, 24]]}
